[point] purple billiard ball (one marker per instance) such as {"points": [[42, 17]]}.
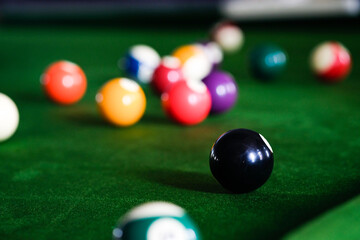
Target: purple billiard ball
{"points": [[223, 90]]}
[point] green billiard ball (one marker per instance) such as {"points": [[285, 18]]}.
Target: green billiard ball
{"points": [[267, 62], [156, 221]]}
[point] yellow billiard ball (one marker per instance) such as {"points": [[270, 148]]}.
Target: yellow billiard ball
{"points": [[121, 102]]}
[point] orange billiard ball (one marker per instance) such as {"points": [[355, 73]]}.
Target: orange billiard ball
{"points": [[64, 82], [121, 102]]}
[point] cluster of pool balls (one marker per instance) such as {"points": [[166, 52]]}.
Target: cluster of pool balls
{"points": [[191, 86], [189, 81]]}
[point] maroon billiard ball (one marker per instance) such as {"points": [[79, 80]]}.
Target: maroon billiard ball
{"points": [[228, 35], [167, 73], [331, 62]]}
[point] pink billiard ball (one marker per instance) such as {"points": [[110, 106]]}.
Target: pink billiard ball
{"points": [[331, 62], [187, 102], [167, 73]]}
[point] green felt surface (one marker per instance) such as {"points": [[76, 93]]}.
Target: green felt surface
{"points": [[340, 223], [67, 174]]}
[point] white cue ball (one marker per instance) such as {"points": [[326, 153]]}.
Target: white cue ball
{"points": [[9, 117]]}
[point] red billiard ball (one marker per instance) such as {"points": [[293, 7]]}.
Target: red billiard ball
{"points": [[331, 62], [187, 102], [166, 74], [64, 82]]}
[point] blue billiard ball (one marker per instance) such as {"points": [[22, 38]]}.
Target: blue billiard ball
{"points": [[140, 63]]}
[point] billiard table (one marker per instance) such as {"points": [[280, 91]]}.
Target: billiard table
{"points": [[67, 174]]}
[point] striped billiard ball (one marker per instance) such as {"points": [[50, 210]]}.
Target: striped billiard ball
{"points": [[156, 221], [213, 52], [140, 63], [228, 35], [194, 61], [331, 62]]}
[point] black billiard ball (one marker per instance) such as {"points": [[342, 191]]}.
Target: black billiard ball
{"points": [[241, 160]]}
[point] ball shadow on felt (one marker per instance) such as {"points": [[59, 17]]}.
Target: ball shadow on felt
{"points": [[194, 181]]}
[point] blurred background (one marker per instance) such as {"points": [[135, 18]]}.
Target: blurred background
{"points": [[237, 10]]}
